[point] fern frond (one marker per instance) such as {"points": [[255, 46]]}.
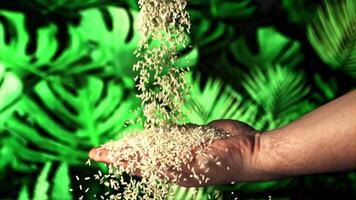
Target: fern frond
{"points": [[327, 89], [279, 91], [333, 35], [215, 102]]}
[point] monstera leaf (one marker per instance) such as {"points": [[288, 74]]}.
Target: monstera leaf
{"points": [[10, 93], [333, 37], [14, 42], [61, 183], [114, 34], [64, 117], [102, 42], [211, 35], [280, 91], [272, 48], [43, 191], [69, 49]]}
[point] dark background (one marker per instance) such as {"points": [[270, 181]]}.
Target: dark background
{"points": [[66, 84]]}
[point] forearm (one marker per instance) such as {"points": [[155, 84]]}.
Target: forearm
{"points": [[323, 140]]}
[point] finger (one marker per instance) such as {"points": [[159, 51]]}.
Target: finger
{"points": [[100, 155]]}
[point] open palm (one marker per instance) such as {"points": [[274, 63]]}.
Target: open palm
{"points": [[227, 160]]}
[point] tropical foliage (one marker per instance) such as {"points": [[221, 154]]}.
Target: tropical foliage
{"points": [[332, 34], [60, 187], [66, 84]]}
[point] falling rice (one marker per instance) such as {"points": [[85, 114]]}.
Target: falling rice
{"points": [[161, 147]]}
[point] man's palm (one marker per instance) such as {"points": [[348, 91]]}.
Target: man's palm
{"points": [[228, 160]]}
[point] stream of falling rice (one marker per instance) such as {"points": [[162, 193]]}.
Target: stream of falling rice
{"points": [[161, 146]]}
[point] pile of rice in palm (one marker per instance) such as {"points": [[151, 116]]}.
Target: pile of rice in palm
{"points": [[157, 155]]}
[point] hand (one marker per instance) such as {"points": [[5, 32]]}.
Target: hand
{"points": [[237, 157]]}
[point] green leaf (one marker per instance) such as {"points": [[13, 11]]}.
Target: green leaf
{"points": [[71, 116], [23, 194], [298, 11], [12, 150], [280, 91], [60, 187], [328, 89], [332, 34], [273, 48], [106, 46], [211, 36], [113, 46], [61, 184], [195, 193], [10, 93], [102, 43], [232, 9], [190, 59], [42, 185], [216, 102]]}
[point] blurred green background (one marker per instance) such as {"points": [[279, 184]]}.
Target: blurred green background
{"points": [[66, 84]]}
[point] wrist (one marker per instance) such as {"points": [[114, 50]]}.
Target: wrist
{"points": [[266, 161]]}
